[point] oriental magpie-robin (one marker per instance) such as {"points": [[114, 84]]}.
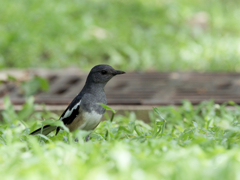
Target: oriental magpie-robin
{"points": [[85, 112]]}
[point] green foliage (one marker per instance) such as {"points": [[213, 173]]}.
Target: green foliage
{"points": [[199, 142], [35, 84], [165, 35], [113, 114], [163, 122]]}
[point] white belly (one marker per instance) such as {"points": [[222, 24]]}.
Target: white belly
{"points": [[91, 120]]}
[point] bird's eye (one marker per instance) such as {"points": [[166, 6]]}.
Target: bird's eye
{"points": [[104, 72]]}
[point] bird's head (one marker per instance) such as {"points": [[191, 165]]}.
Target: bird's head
{"points": [[102, 73]]}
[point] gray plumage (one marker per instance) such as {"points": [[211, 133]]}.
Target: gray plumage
{"points": [[85, 112]]}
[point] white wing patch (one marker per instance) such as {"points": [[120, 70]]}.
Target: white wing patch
{"points": [[69, 112]]}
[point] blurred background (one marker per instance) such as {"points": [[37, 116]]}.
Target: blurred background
{"points": [[164, 35]]}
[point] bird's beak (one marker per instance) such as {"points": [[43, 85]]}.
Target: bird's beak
{"points": [[116, 72]]}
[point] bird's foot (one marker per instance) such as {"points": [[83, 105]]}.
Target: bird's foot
{"points": [[87, 138]]}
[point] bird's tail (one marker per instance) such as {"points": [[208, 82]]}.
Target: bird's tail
{"points": [[45, 130]]}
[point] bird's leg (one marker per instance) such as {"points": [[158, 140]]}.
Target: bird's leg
{"points": [[87, 137]]}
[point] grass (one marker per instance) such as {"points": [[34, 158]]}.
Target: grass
{"points": [[182, 143], [173, 35], [199, 142]]}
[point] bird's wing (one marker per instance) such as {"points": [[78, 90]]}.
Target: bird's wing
{"points": [[71, 112]]}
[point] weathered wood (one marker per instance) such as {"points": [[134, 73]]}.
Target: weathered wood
{"points": [[133, 88]]}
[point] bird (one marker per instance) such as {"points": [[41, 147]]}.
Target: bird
{"points": [[85, 112]]}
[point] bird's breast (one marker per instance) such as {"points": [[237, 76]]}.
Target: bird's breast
{"points": [[90, 120]]}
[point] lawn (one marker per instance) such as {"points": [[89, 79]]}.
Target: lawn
{"points": [[182, 143], [165, 35], [185, 143]]}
